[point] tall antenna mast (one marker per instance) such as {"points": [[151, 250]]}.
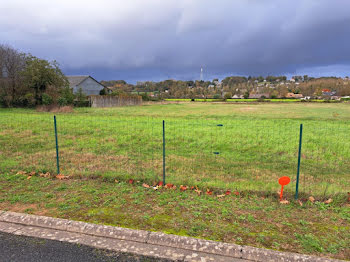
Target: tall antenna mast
{"points": [[201, 75]]}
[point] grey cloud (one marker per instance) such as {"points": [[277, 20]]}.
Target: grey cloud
{"points": [[174, 38]]}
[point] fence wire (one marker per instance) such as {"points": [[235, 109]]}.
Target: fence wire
{"points": [[237, 154]]}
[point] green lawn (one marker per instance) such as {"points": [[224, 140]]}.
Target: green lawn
{"points": [[215, 146]]}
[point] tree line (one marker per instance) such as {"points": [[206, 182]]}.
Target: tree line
{"points": [[28, 81], [271, 86]]}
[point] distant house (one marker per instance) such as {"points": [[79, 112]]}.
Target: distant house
{"points": [[257, 96], [88, 85], [292, 95], [328, 92], [237, 96], [306, 98]]}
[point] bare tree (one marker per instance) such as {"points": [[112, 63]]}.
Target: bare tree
{"points": [[3, 83], [1, 62], [12, 62]]}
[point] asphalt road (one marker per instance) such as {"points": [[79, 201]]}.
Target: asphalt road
{"points": [[21, 248]]}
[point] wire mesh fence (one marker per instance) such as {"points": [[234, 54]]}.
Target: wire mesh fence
{"points": [[238, 154]]}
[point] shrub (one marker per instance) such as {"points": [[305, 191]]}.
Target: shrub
{"points": [[118, 92], [4, 100], [66, 97], [62, 101], [28, 100], [85, 103], [81, 99], [146, 97], [46, 99], [227, 96]]}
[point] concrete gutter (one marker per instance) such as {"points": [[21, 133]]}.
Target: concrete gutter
{"points": [[139, 242]]}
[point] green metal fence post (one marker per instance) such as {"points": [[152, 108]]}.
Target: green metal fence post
{"points": [[299, 155], [163, 152], [57, 155]]}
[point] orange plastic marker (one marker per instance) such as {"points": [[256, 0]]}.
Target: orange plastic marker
{"points": [[283, 181]]}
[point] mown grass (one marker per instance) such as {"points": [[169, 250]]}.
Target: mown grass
{"points": [[314, 228]]}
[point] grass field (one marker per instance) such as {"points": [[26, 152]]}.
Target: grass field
{"points": [[247, 100], [219, 146], [241, 147]]}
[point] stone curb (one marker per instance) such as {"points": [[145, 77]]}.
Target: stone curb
{"points": [[260, 254], [160, 245], [194, 244]]}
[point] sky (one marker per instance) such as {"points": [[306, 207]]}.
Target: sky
{"points": [[139, 40]]}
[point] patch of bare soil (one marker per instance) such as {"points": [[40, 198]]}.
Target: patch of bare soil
{"points": [[55, 109], [247, 109]]}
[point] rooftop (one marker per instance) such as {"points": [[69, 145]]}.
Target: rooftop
{"points": [[76, 80]]}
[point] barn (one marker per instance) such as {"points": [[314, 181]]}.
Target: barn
{"points": [[88, 84]]}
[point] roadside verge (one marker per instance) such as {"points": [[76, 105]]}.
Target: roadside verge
{"points": [[139, 242]]}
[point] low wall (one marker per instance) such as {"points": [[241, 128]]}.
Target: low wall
{"points": [[114, 101]]}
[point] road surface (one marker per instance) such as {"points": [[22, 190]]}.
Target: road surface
{"points": [[15, 248]]}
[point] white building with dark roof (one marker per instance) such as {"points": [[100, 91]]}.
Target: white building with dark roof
{"points": [[88, 84]]}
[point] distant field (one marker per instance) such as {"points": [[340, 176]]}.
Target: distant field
{"points": [[231, 100], [216, 146], [246, 100]]}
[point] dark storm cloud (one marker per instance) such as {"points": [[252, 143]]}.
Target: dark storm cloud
{"points": [[172, 39]]}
